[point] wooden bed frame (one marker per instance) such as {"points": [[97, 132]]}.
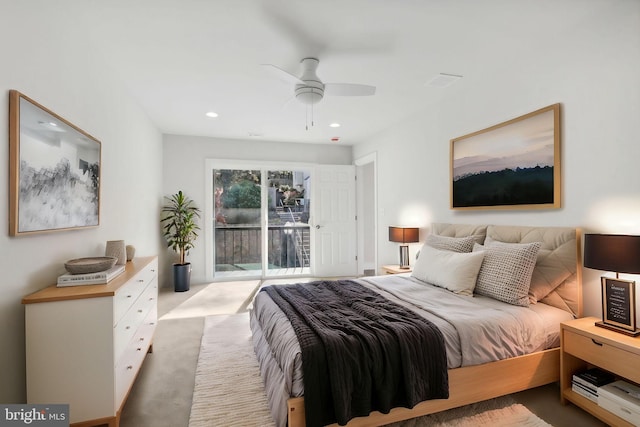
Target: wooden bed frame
{"points": [[467, 385], [471, 384]]}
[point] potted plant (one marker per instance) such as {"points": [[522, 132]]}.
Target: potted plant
{"points": [[180, 230]]}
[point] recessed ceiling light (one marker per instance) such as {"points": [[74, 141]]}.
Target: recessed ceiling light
{"points": [[211, 114], [334, 125]]}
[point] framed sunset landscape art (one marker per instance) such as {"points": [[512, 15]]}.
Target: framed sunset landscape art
{"points": [[512, 165]]}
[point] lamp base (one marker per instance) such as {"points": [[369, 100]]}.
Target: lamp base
{"points": [[628, 332], [404, 257]]}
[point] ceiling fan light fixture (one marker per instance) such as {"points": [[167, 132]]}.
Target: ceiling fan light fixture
{"points": [[309, 95]]}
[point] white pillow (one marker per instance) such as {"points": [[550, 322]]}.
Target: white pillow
{"points": [[506, 271], [454, 271]]}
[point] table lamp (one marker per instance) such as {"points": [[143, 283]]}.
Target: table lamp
{"points": [[618, 253], [404, 235]]}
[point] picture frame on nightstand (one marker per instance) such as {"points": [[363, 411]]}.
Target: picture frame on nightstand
{"points": [[619, 305]]}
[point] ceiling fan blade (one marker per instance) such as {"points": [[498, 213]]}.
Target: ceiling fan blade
{"points": [[348, 89], [281, 74], [290, 23]]}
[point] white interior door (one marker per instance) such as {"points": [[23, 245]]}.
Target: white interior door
{"points": [[333, 221]]}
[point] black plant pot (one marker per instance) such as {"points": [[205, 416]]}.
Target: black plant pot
{"points": [[181, 277]]}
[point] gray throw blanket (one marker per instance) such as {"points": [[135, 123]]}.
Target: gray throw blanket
{"points": [[360, 351]]}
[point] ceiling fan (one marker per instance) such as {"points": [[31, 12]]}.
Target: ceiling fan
{"points": [[309, 89]]}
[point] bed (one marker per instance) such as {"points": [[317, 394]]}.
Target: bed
{"points": [[515, 347]]}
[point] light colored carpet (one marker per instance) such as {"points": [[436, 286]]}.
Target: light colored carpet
{"points": [[229, 391], [216, 298]]}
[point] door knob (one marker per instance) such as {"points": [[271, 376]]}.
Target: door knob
{"points": [[318, 227]]}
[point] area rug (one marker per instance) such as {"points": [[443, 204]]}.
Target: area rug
{"points": [[229, 391]]}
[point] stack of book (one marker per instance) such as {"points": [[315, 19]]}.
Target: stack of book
{"points": [[586, 383], [621, 398], [99, 278]]}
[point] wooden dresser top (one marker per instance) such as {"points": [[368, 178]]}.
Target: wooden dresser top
{"points": [[54, 293]]}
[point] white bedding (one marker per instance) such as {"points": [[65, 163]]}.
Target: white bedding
{"points": [[476, 329]]}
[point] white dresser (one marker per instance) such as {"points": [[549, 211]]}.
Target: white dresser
{"points": [[86, 344]]}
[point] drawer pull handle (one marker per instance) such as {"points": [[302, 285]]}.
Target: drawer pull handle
{"points": [[153, 270], [141, 339], [151, 299], [139, 311], [128, 296], [140, 280], [139, 349], [596, 342], [128, 327], [130, 367]]}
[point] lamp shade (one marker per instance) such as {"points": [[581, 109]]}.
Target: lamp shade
{"points": [[404, 234], [619, 253]]}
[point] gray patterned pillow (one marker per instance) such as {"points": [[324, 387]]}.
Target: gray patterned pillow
{"points": [[506, 271], [454, 244]]}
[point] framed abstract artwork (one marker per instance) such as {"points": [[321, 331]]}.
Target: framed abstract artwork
{"points": [[54, 171], [512, 165]]}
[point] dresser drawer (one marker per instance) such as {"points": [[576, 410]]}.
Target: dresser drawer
{"points": [[128, 294], [125, 298], [147, 274], [133, 355], [134, 318], [602, 354]]}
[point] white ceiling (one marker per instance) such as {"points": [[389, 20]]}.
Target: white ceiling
{"points": [[182, 58]]}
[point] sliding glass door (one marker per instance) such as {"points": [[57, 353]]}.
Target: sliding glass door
{"points": [[260, 221], [237, 218], [288, 236]]}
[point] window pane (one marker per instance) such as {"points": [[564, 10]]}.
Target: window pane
{"points": [[238, 235], [288, 233]]}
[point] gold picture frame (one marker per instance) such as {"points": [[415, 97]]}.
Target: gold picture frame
{"points": [[511, 165], [54, 171]]}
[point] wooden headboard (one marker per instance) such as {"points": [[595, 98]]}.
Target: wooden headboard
{"points": [[558, 268]]}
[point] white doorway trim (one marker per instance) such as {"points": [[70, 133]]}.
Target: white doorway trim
{"points": [[367, 211]]}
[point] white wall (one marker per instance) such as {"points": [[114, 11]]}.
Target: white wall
{"points": [[184, 169], [594, 71], [59, 72]]}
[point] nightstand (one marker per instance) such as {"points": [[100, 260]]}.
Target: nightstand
{"points": [[583, 345], [395, 269]]}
